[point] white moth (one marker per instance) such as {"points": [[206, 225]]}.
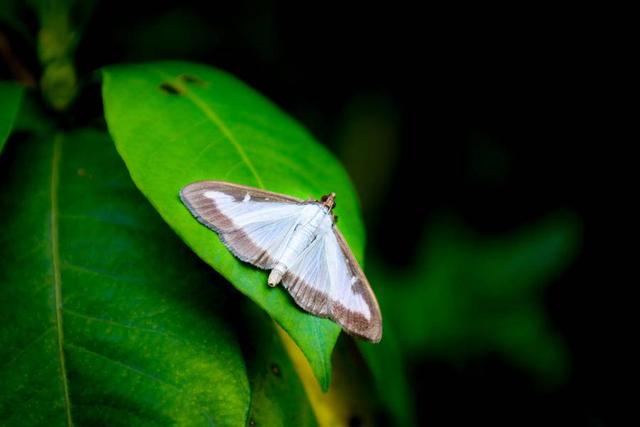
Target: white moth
{"points": [[299, 242]]}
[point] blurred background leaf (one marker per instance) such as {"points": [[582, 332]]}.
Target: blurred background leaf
{"points": [[394, 403], [11, 95], [10, 14], [60, 24], [467, 295], [369, 123], [176, 123]]}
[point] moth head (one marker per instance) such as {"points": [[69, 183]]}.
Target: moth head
{"points": [[329, 201]]}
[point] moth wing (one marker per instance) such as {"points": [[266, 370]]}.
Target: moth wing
{"points": [[327, 281], [308, 279], [356, 306], [254, 224]]}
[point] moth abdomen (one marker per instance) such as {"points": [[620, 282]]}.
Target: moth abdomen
{"points": [[276, 274]]}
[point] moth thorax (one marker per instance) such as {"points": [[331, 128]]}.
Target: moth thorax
{"points": [[276, 274]]}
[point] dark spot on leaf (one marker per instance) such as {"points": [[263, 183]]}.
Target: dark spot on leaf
{"points": [[355, 421], [275, 369], [252, 422], [169, 88], [82, 172], [192, 79]]}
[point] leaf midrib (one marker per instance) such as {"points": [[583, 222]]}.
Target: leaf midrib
{"points": [[210, 114], [55, 261], [213, 116]]}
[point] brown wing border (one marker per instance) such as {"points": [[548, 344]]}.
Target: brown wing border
{"points": [[238, 191], [232, 237], [371, 329], [319, 304]]}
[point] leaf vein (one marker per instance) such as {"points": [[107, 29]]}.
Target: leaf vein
{"points": [[143, 374], [126, 366], [213, 117], [102, 274], [55, 261], [133, 327], [25, 348]]}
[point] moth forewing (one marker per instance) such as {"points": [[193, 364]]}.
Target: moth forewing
{"points": [[298, 241], [252, 223], [370, 328]]}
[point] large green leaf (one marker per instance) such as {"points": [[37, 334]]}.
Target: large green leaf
{"points": [[175, 123], [107, 319], [10, 96]]}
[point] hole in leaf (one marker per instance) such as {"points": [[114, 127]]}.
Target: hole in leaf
{"points": [[192, 79], [275, 369], [170, 89]]}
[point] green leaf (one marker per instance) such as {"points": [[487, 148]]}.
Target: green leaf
{"points": [[11, 95], [107, 318], [277, 395], [387, 368], [175, 123]]}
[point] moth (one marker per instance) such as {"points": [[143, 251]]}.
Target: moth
{"points": [[298, 241]]}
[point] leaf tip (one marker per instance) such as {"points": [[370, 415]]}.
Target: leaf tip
{"points": [[311, 374]]}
